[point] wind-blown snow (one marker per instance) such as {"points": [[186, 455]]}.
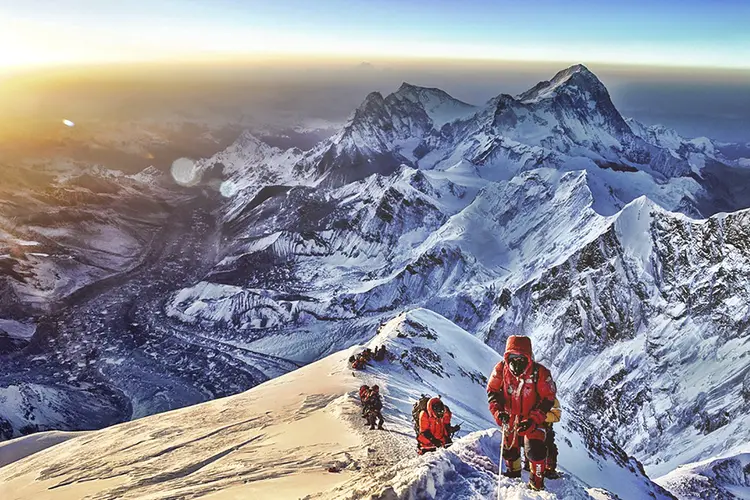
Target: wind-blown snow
{"points": [[25, 446]]}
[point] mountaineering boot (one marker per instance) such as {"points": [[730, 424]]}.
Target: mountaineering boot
{"points": [[550, 471], [536, 479], [512, 468]]}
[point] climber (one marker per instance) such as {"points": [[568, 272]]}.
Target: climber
{"points": [[379, 353], [520, 411], [434, 427], [553, 416], [373, 408], [359, 362], [367, 354], [363, 390]]}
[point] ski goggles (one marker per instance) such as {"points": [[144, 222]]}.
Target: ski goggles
{"points": [[516, 357]]}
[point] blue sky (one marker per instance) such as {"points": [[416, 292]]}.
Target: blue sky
{"points": [[685, 32]]}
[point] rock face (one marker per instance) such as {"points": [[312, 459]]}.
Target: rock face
{"points": [[547, 214]]}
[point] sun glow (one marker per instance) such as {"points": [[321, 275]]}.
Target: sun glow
{"points": [[29, 44], [34, 44]]}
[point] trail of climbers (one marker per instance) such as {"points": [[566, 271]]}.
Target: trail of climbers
{"points": [[522, 400], [394, 445]]}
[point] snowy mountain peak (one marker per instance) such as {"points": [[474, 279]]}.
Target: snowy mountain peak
{"points": [[248, 140], [422, 341], [373, 103], [440, 106], [407, 87], [726, 477], [573, 80], [576, 69], [423, 95]]}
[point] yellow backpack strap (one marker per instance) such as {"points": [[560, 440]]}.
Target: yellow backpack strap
{"points": [[555, 413]]}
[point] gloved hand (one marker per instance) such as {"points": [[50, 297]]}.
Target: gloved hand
{"points": [[538, 416], [525, 426], [502, 418], [436, 442]]}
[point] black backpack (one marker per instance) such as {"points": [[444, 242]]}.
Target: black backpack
{"points": [[418, 408]]}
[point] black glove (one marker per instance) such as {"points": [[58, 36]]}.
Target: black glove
{"points": [[525, 425], [502, 417], [436, 442]]}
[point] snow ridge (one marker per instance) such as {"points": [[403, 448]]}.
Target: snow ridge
{"points": [[281, 438]]}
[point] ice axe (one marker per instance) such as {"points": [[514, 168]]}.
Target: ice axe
{"points": [[456, 428], [500, 461]]}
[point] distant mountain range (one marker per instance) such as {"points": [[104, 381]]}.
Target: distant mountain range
{"points": [[623, 250]]}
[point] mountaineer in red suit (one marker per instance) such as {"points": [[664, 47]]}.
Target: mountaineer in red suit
{"points": [[520, 393], [434, 427]]}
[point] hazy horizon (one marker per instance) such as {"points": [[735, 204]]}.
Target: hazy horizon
{"points": [[230, 64], [711, 103]]}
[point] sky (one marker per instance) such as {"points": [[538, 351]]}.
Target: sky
{"points": [[690, 33]]}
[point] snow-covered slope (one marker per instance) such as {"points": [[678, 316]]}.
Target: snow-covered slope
{"points": [[439, 106], [724, 478], [617, 304], [280, 439], [16, 449]]}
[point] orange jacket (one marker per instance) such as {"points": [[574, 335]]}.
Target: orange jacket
{"points": [[530, 395], [430, 425], [363, 390]]}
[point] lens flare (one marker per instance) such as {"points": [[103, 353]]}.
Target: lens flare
{"points": [[68, 123], [228, 189], [185, 173]]}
